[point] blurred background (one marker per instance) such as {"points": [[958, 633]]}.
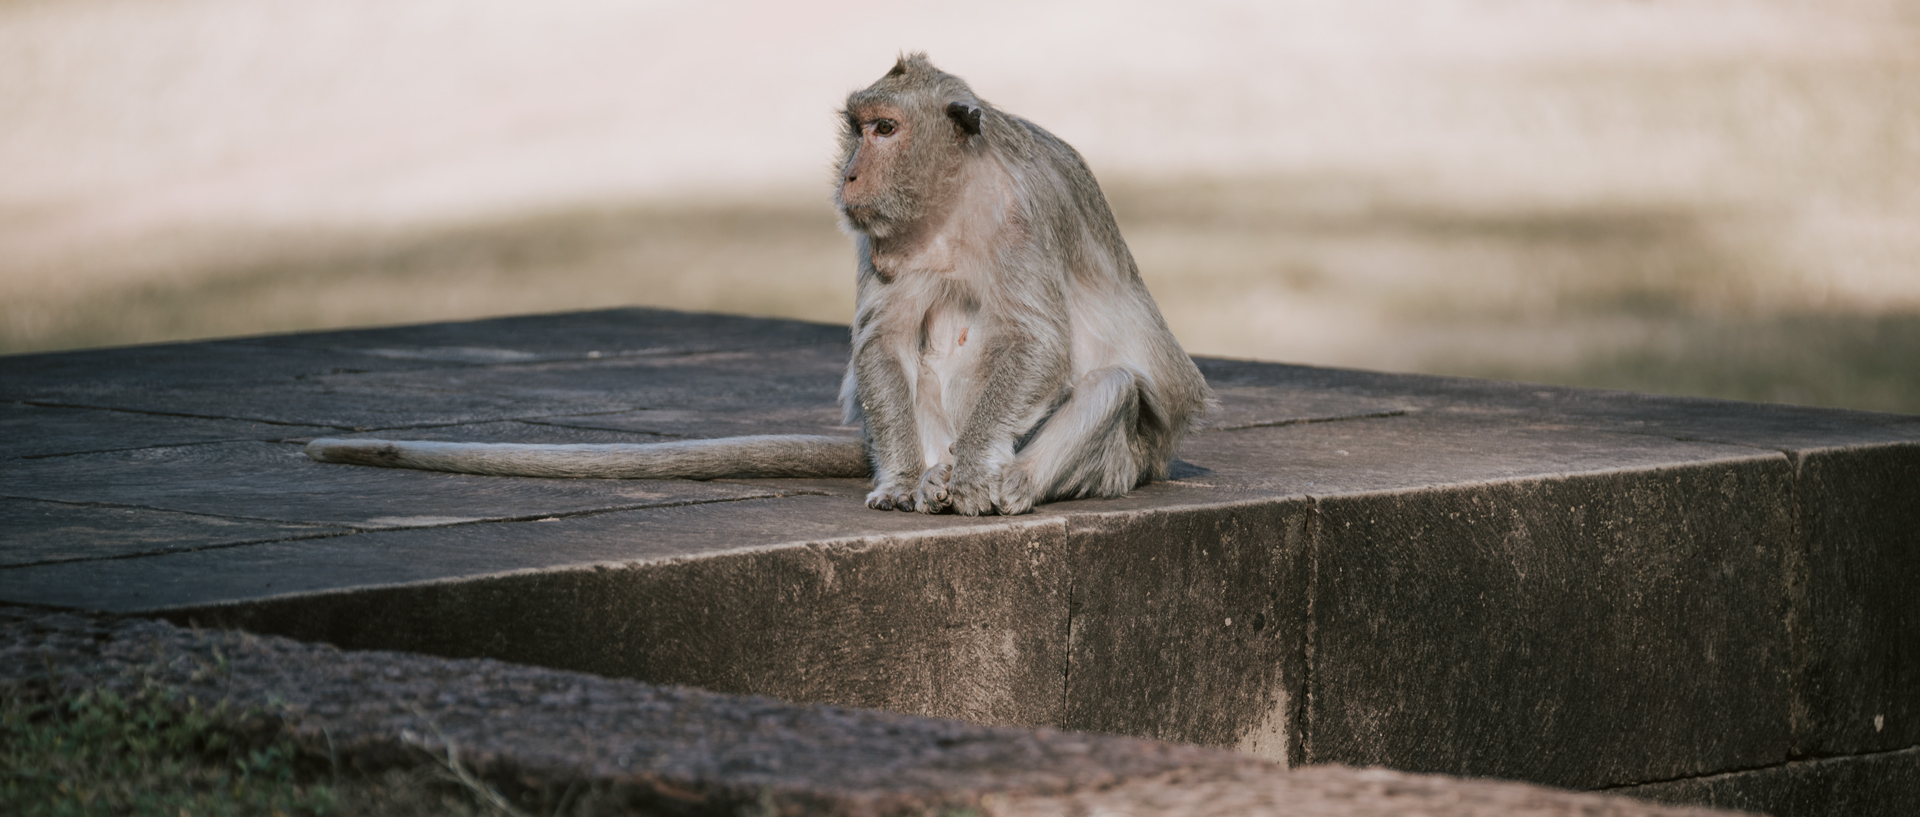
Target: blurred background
{"points": [[1685, 196]]}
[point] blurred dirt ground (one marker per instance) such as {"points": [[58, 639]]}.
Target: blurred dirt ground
{"points": [[1694, 197]]}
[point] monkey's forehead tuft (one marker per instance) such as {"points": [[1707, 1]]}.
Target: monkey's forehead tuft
{"points": [[866, 110]]}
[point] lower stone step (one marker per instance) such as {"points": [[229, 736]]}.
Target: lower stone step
{"points": [[565, 744]]}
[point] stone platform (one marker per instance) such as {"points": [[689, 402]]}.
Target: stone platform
{"points": [[1695, 600]]}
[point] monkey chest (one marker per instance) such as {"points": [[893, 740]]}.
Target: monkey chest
{"points": [[949, 344]]}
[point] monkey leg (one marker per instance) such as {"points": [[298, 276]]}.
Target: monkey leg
{"points": [[1084, 449]]}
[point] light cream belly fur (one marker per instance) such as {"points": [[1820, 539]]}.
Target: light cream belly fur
{"points": [[944, 391]]}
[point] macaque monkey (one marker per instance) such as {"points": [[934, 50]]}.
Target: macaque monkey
{"points": [[1005, 350]]}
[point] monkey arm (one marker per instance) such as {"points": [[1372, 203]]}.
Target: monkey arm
{"points": [[885, 402]]}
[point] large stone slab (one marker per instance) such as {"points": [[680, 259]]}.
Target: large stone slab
{"points": [[45, 431], [1190, 624], [1425, 448], [965, 623], [1874, 785], [606, 333], [45, 532], [965, 618], [1481, 630], [510, 366], [1856, 615], [276, 481], [1760, 425], [105, 377], [466, 394]]}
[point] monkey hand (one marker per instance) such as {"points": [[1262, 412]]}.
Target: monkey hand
{"points": [[889, 496], [933, 496]]}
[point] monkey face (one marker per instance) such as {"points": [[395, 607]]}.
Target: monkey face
{"points": [[873, 195], [903, 146]]}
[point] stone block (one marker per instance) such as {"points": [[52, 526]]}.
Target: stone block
{"points": [[45, 532], [1857, 604], [1188, 624], [1582, 631], [965, 621], [310, 382], [587, 335], [1876, 785], [1424, 448], [93, 376], [46, 431], [277, 482]]}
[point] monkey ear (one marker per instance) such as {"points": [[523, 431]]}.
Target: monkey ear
{"points": [[966, 115]]}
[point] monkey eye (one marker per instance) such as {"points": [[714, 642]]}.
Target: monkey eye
{"points": [[884, 127]]}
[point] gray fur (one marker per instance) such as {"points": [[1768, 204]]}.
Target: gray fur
{"points": [[1005, 350], [976, 228]]}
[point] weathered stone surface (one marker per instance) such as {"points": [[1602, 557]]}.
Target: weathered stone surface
{"points": [[1636, 614], [1762, 425], [1427, 448], [1856, 619], [1244, 406], [965, 624], [1314, 791], [597, 334], [814, 417], [451, 373], [44, 532], [1874, 785], [1190, 624], [275, 481], [1585, 587], [108, 376], [396, 557], [44, 431], [786, 378], [966, 619], [801, 375], [544, 737], [594, 335]]}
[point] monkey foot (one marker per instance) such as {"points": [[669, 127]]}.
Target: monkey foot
{"points": [[1017, 494], [888, 498]]}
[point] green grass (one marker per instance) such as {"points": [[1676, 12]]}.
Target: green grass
{"points": [[159, 752], [150, 753]]}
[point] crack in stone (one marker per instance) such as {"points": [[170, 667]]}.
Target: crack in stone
{"points": [[1301, 421], [1806, 761]]}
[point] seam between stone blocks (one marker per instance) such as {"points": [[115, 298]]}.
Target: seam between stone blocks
{"points": [[1309, 677], [1798, 582], [1066, 640], [1801, 761], [331, 530], [153, 413]]}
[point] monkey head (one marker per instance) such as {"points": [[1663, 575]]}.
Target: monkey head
{"points": [[906, 138]]}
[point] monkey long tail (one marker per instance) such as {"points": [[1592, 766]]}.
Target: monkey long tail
{"points": [[786, 455]]}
